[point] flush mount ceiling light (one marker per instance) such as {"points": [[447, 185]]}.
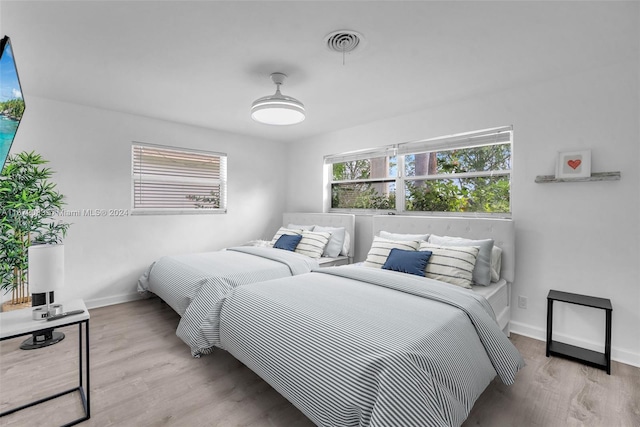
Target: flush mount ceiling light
{"points": [[277, 109]]}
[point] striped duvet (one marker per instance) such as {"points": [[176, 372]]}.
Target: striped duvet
{"points": [[355, 346], [195, 284]]}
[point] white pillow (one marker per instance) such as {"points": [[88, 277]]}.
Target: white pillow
{"points": [[401, 237], [313, 243], [346, 247], [334, 247], [259, 243], [381, 247], [300, 227], [284, 230], [496, 263], [451, 264], [482, 271]]}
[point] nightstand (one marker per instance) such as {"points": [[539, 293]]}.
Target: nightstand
{"points": [[20, 323], [589, 357], [332, 262]]}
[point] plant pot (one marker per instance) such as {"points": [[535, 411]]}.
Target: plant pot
{"points": [[7, 306], [34, 300]]}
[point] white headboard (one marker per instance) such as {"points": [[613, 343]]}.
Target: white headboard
{"points": [[502, 231], [347, 221]]}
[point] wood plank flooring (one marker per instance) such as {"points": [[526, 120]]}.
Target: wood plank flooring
{"points": [[143, 375]]}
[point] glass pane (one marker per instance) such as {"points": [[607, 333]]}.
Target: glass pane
{"points": [[378, 167], [370, 195], [476, 159], [481, 194]]}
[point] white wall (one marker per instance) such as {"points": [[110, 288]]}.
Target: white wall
{"points": [[90, 151], [575, 237]]}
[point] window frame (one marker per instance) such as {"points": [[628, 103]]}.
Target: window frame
{"points": [[481, 138], [221, 181]]}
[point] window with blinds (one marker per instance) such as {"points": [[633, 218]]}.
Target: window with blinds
{"points": [[463, 173], [176, 180]]}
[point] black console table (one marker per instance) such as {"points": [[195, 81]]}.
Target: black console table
{"points": [[589, 357]]}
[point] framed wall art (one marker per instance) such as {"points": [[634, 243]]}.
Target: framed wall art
{"points": [[573, 164]]}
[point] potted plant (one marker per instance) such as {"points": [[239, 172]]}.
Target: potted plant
{"points": [[29, 204]]}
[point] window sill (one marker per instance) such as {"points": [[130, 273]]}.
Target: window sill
{"points": [[372, 212], [178, 211]]}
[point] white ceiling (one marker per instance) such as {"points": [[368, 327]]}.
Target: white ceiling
{"points": [[203, 63]]}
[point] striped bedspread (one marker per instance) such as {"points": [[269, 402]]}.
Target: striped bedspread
{"points": [[356, 346], [195, 284]]}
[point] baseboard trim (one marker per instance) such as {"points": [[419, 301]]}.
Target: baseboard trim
{"points": [[118, 299], [618, 354]]}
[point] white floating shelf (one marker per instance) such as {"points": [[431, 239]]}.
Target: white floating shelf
{"points": [[596, 176]]}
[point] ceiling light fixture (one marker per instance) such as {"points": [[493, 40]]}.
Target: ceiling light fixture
{"points": [[277, 109]]}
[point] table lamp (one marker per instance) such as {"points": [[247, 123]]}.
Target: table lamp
{"points": [[46, 274]]}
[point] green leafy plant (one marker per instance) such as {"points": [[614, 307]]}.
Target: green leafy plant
{"points": [[29, 204], [206, 202], [13, 108], [437, 196]]}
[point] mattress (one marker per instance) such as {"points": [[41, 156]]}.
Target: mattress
{"points": [[195, 285], [497, 294], [354, 346], [322, 262]]}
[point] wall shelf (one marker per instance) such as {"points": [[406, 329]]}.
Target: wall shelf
{"points": [[596, 176]]}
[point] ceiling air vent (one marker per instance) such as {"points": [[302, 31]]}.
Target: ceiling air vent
{"points": [[343, 41]]}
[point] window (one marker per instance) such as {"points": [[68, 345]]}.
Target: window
{"points": [[464, 173], [364, 180], [176, 180]]}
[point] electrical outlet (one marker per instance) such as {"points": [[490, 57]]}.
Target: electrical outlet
{"points": [[522, 302]]}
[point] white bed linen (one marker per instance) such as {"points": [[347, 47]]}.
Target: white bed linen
{"points": [[322, 261], [502, 231], [497, 294], [195, 285], [357, 346]]}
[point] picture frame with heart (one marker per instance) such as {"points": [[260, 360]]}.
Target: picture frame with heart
{"points": [[573, 164]]}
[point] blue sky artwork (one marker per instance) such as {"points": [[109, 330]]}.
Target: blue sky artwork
{"points": [[9, 89]]}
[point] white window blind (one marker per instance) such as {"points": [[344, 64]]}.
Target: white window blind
{"points": [[461, 140], [387, 151], [175, 180]]}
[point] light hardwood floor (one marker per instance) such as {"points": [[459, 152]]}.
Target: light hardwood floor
{"points": [[143, 375]]}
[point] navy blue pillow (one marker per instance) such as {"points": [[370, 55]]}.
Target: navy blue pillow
{"points": [[412, 262], [288, 242]]}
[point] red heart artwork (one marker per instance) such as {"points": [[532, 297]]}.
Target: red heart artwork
{"points": [[573, 164]]}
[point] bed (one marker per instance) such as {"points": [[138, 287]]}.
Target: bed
{"points": [[327, 221], [502, 231], [358, 346], [195, 284]]}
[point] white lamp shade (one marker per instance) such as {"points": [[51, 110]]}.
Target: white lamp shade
{"points": [[277, 115], [278, 110], [46, 268]]}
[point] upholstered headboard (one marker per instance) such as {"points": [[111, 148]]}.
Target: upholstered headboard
{"points": [[502, 231], [347, 221]]}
